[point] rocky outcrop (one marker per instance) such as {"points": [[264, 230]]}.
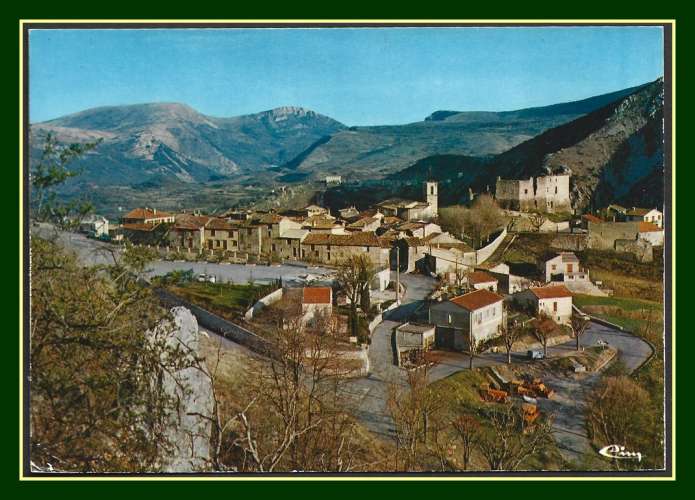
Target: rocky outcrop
{"points": [[189, 431]]}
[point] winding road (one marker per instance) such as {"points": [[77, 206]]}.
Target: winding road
{"points": [[368, 395]]}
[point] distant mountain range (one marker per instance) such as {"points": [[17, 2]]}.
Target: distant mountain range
{"points": [[615, 153], [163, 140], [612, 142]]}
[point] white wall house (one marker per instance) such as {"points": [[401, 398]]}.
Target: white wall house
{"points": [[480, 280], [565, 267], [475, 316], [95, 225], [645, 215], [555, 301]]}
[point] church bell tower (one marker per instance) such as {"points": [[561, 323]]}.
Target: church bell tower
{"points": [[431, 196]]}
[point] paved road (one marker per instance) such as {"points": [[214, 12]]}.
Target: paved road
{"points": [[369, 394], [93, 252]]}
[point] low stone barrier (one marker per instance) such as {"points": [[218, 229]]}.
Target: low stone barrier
{"points": [[219, 325], [482, 254], [269, 299]]}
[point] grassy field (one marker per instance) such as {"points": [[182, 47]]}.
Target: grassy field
{"points": [[624, 275], [632, 314], [225, 299]]}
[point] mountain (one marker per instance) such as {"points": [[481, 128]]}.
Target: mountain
{"points": [[173, 141], [615, 154], [365, 152]]}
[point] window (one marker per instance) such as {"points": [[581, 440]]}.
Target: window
{"points": [[555, 189], [449, 318], [525, 191], [212, 232], [554, 306]]}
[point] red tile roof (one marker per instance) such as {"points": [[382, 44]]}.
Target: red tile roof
{"points": [[146, 213], [648, 227], [476, 300], [592, 218], [191, 222], [221, 224], [636, 211], [477, 277], [551, 292], [316, 295]]}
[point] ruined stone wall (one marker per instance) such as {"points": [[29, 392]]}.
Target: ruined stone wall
{"points": [[507, 193], [641, 249], [549, 193], [602, 236]]}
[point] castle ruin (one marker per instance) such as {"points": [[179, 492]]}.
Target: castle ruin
{"points": [[547, 193]]}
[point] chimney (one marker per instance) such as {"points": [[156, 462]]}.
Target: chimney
{"points": [[154, 211]]}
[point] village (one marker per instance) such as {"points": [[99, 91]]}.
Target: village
{"points": [[425, 296]]}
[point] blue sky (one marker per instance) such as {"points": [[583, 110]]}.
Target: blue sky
{"points": [[358, 76]]}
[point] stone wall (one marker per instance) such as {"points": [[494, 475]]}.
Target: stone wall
{"points": [[571, 242], [484, 253], [269, 299], [219, 325], [641, 249], [603, 235]]}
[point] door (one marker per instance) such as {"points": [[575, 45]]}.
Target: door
{"points": [[444, 337]]}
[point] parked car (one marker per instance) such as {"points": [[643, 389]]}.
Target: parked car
{"points": [[210, 278], [536, 354]]}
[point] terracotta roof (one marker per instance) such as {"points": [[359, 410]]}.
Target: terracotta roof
{"points": [[270, 219], [475, 300], [146, 213], [648, 227], [363, 238], [221, 224], [551, 292], [365, 221], [191, 222], [477, 277], [140, 226], [568, 257], [638, 211], [592, 218], [316, 295]]}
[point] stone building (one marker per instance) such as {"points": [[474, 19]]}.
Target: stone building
{"points": [[334, 248], [548, 193], [411, 210], [476, 316]]}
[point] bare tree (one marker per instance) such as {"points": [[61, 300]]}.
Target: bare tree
{"points": [[452, 219], [483, 218], [510, 334], [579, 324], [354, 275], [411, 408], [540, 327], [509, 442], [468, 431]]}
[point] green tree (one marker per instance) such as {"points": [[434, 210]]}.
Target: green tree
{"points": [[100, 348], [50, 171]]}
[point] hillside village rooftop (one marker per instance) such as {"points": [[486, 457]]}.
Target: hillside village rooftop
{"points": [[478, 299]]}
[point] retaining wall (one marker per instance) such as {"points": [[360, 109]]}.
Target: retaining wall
{"points": [[269, 299], [484, 253], [219, 325]]}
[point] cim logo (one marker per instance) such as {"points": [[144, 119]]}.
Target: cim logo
{"points": [[619, 452]]}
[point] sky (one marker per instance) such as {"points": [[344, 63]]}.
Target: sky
{"points": [[372, 76]]}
